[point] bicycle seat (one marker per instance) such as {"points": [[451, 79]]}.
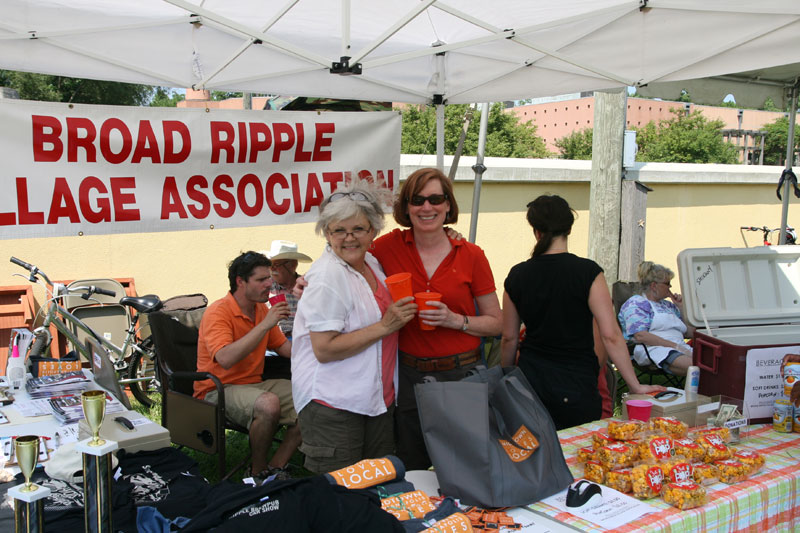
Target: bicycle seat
{"points": [[143, 304]]}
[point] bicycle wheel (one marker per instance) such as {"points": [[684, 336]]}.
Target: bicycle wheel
{"points": [[143, 365]]}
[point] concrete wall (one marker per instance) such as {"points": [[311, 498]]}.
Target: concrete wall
{"points": [[691, 206]]}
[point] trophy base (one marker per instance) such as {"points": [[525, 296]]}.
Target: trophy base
{"points": [[85, 446], [18, 493]]}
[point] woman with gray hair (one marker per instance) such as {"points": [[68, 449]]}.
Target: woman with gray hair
{"points": [[655, 323], [344, 351]]}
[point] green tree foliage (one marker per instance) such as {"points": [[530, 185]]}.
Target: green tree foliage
{"points": [[166, 97], [576, 145], [74, 90], [684, 138], [224, 95], [506, 137], [769, 105], [775, 143]]}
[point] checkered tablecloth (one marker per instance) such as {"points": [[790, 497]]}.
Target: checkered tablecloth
{"points": [[768, 501]]}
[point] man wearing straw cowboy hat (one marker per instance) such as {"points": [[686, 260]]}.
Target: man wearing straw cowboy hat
{"points": [[285, 258]]}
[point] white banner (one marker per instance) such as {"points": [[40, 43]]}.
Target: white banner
{"points": [[82, 169]]}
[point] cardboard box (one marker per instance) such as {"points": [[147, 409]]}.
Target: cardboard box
{"points": [[675, 406], [745, 304], [146, 434]]}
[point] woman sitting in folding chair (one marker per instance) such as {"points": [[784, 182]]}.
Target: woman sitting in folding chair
{"points": [[657, 324]]}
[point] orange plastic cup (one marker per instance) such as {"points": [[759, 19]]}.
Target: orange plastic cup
{"points": [[399, 285], [422, 299]]}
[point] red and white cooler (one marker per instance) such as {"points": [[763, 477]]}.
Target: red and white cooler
{"points": [[745, 306]]}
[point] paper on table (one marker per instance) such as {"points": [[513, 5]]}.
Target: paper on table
{"points": [[616, 509], [532, 522], [31, 408]]}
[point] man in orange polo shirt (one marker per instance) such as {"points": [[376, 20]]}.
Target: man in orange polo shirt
{"points": [[235, 333]]}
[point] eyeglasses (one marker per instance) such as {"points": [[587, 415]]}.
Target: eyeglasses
{"points": [[433, 199], [276, 266], [667, 283], [357, 232], [356, 196]]}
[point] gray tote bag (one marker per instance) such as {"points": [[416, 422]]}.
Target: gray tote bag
{"points": [[491, 440]]}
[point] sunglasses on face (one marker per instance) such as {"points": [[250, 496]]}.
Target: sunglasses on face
{"points": [[433, 199]]}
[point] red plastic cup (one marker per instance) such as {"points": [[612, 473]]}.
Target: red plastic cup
{"points": [[278, 298], [639, 409], [422, 299], [399, 285]]}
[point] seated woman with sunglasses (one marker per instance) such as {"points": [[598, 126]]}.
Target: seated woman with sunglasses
{"points": [[344, 352], [652, 321], [456, 269]]}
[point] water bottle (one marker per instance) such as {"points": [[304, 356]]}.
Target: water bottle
{"points": [[15, 369], [692, 383]]}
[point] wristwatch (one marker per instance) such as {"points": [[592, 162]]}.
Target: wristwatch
{"points": [[465, 325]]}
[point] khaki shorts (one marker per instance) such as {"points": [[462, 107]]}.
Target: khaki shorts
{"points": [[240, 399], [334, 438]]}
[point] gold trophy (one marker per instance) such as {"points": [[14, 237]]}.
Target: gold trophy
{"points": [[94, 409], [27, 451]]}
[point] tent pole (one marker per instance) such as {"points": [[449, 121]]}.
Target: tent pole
{"points": [[440, 136], [479, 169], [789, 161]]}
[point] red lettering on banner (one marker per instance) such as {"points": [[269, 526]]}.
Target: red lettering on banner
{"points": [[40, 123], [75, 140], [299, 154], [8, 219], [171, 127], [223, 180], [314, 194], [277, 179], [323, 129], [332, 179], [105, 141], [192, 189], [171, 200], [104, 214], [81, 134], [146, 144], [261, 140], [26, 216], [123, 199], [281, 129], [241, 195], [62, 204], [389, 184], [242, 126], [298, 202], [218, 143]]}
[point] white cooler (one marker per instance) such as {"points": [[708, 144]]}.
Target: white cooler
{"points": [[745, 304]]}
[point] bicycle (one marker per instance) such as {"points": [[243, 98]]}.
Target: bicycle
{"points": [[134, 361], [791, 236]]}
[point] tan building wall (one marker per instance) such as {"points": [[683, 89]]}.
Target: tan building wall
{"points": [[691, 206], [559, 119]]}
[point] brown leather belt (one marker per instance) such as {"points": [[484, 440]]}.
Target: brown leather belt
{"points": [[438, 364]]}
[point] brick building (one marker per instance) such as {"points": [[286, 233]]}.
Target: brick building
{"points": [[556, 119]]}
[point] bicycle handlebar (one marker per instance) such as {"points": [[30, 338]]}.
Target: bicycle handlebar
{"points": [[33, 269], [98, 290]]}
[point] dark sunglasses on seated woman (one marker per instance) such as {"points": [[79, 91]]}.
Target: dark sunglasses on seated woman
{"points": [[433, 199]]}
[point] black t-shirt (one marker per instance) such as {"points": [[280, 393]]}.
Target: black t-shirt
{"points": [[551, 294]]}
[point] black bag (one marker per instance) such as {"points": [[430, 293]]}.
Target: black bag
{"points": [[491, 441]]}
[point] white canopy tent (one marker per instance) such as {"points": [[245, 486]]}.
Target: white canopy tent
{"points": [[416, 51]]}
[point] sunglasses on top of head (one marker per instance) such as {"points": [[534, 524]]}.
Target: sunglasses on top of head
{"points": [[433, 199]]}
